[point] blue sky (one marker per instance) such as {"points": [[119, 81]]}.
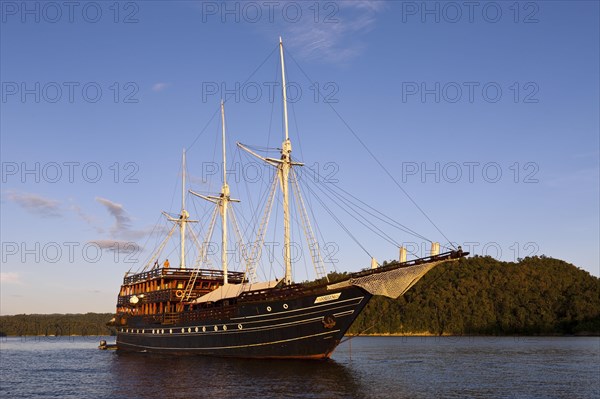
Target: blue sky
{"points": [[488, 117]]}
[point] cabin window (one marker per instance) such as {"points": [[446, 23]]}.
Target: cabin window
{"points": [[179, 285]]}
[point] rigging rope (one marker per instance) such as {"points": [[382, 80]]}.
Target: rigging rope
{"points": [[217, 111], [374, 229], [339, 222], [390, 221], [160, 248], [371, 153], [311, 242]]}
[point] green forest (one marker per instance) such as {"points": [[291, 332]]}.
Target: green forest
{"points": [[92, 324], [483, 296], [472, 296]]}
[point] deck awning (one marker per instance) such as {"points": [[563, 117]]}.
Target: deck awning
{"points": [[233, 290]]}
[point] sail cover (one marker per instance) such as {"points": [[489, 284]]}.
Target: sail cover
{"points": [[391, 283], [232, 290]]}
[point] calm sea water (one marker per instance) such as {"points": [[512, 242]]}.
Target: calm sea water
{"points": [[374, 367]]}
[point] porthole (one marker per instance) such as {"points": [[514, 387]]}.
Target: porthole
{"points": [[268, 308], [285, 306], [171, 331], [216, 328], [196, 329], [203, 329], [183, 330], [240, 327], [224, 328]]}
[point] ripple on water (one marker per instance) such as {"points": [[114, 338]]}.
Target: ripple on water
{"points": [[366, 367]]}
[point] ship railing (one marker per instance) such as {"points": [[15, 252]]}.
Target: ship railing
{"points": [[176, 272], [208, 314], [171, 318], [169, 294], [278, 293], [164, 295]]}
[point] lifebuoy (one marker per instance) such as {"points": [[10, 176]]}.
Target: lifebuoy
{"points": [[179, 294], [329, 321]]}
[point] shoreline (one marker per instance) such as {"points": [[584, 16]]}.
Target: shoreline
{"points": [[428, 334], [378, 335]]}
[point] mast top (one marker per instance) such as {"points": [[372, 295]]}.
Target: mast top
{"points": [[225, 187], [284, 90], [183, 181]]}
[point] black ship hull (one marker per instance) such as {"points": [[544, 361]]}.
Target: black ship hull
{"points": [[302, 326]]}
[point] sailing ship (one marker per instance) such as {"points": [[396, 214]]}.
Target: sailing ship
{"points": [[218, 312]]}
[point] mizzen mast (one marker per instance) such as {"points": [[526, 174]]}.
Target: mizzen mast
{"points": [[184, 216]]}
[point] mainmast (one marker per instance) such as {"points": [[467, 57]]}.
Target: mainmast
{"points": [[184, 214], [284, 166], [284, 172], [222, 201]]}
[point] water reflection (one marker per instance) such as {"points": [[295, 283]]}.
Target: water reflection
{"points": [[149, 375], [475, 367]]}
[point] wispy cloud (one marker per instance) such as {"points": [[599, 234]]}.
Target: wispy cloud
{"points": [[10, 278], [121, 232], [160, 86], [35, 203], [122, 219], [335, 36]]}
